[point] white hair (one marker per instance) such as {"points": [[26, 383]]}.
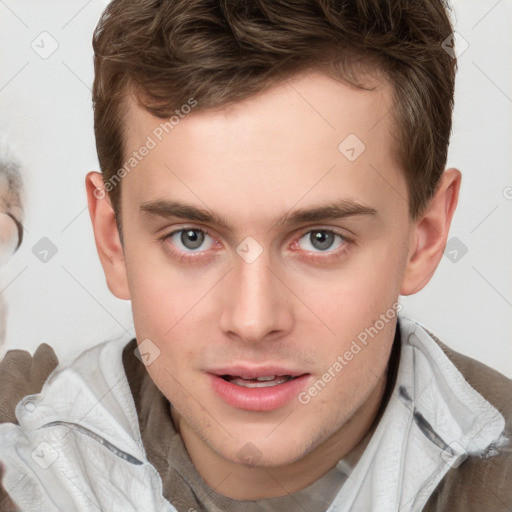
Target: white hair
{"points": [[11, 181]]}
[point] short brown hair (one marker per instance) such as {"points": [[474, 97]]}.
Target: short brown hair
{"points": [[222, 51]]}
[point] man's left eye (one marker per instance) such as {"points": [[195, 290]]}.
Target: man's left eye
{"points": [[321, 240]]}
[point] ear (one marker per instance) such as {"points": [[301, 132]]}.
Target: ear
{"points": [[106, 235], [430, 232]]}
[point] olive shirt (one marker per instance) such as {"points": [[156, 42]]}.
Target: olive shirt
{"points": [[483, 484]]}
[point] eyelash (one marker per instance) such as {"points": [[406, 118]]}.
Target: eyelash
{"points": [[325, 257]]}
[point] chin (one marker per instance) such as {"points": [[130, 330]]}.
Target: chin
{"points": [[261, 452]]}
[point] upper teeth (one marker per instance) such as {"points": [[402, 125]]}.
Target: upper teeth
{"points": [[260, 382]]}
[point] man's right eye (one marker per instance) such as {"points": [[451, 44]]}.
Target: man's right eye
{"points": [[188, 240]]}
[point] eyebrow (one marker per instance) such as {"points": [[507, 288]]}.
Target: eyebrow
{"points": [[332, 211]]}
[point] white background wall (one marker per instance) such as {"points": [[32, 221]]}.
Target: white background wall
{"points": [[45, 104]]}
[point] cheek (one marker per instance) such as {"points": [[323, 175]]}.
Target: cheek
{"points": [[367, 284], [174, 309], [350, 301], [162, 294]]}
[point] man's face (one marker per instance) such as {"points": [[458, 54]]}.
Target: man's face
{"points": [[268, 289]]}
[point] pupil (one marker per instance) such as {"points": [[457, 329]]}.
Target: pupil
{"points": [[192, 238], [322, 239]]}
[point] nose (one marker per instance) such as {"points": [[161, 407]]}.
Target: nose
{"points": [[257, 305]]}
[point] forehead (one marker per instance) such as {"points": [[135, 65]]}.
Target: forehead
{"points": [[308, 139]]}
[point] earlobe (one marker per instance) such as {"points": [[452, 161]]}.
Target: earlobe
{"points": [[430, 233], [106, 235]]}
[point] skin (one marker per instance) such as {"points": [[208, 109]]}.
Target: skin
{"points": [[297, 304]]}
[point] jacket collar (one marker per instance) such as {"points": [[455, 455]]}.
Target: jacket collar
{"points": [[434, 420]]}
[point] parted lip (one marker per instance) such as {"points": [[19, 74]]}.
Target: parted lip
{"points": [[252, 372]]}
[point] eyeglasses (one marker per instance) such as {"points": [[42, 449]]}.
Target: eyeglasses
{"points": [[11, 235]]}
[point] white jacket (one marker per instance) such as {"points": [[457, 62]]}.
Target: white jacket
{"points": [[78, 446]]}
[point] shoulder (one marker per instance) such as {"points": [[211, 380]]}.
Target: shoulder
{"points": [[480, 482], [22, 374]]}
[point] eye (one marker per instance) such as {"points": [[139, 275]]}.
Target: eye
{"points": [[190, 239], [322, 240]]}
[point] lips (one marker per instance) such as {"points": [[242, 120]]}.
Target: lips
{"points": [[259, 395]]}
